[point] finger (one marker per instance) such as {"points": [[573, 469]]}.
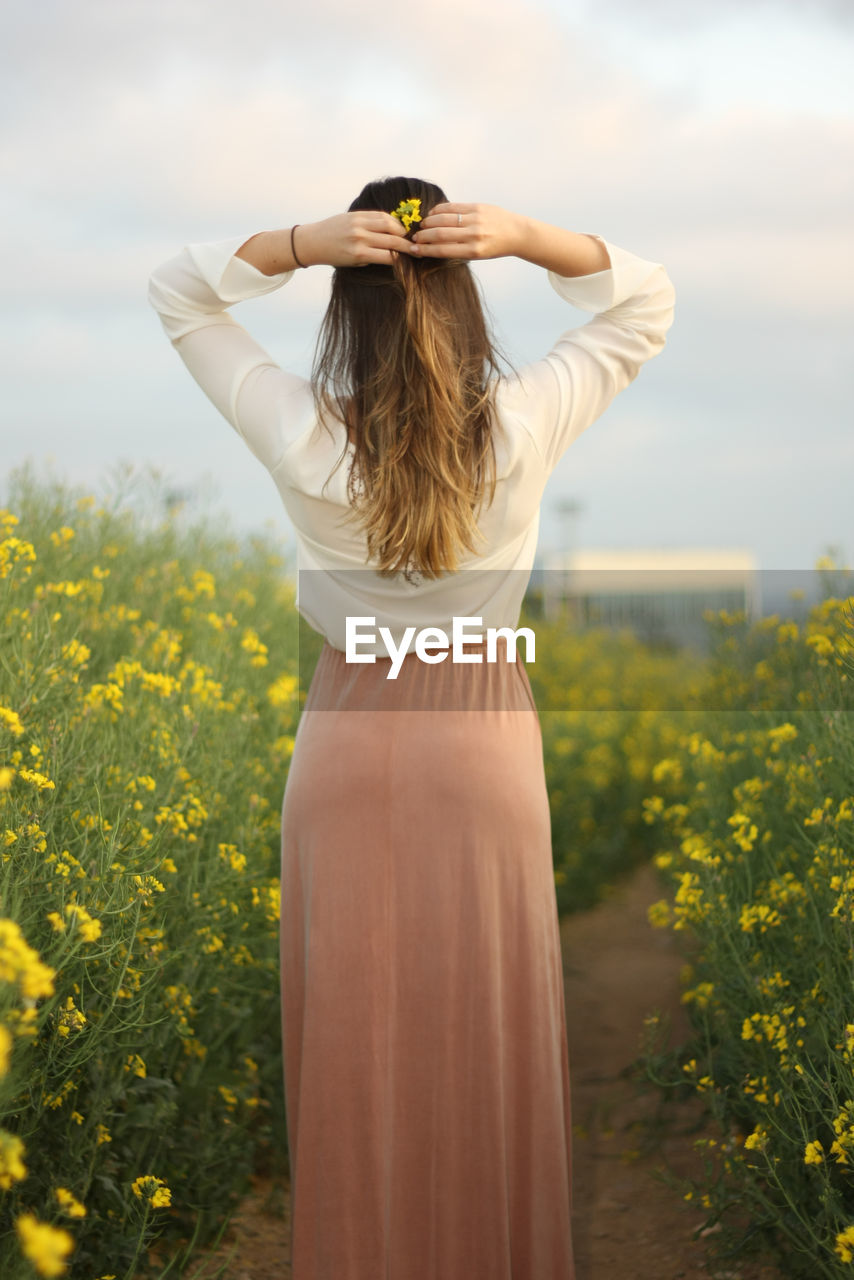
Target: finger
{"points": [[377, 254], [376, 220], [365, 246], [446, 215], [440, 234], [441, 220], [449, 206], [396, 244], [447, 249]]}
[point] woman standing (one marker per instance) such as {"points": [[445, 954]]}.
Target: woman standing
{"points": [[426, 1070]]}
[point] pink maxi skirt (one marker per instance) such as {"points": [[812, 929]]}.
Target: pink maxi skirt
{"points": [[426, 1069]]}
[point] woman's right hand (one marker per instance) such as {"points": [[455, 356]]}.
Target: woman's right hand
{"points": [[473, 231], [352, 240], [470, 231]]}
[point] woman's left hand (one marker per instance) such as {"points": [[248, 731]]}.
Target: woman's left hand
{"points": [[353, 240]]}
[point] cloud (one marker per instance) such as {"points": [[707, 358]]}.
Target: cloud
{"points": [[675, 13], [134, 128]]}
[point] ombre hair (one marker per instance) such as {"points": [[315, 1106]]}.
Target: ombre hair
{"points": [[405, 358]]}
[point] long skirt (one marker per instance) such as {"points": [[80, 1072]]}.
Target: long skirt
{"points": [[425, 1059]]}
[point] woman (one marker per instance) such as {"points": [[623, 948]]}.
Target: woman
{"points": [[425, 1056]]}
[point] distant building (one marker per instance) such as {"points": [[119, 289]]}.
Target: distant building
{"points": [[660, 594]]}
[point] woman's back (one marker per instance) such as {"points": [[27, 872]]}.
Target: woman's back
{"points": [[425, 1054], [535, 415]]}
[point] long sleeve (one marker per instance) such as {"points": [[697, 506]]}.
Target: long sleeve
{"points": [[190, 293], [558, 397]]}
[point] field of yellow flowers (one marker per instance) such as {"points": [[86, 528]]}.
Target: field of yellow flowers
{"points": [[610, 708], [149, 696], [754, 815], [147, 712]]}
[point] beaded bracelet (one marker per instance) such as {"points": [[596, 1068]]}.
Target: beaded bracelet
{"points": [[293, 250]]}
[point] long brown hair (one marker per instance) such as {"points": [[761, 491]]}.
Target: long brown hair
{"points": [[405, 358]]}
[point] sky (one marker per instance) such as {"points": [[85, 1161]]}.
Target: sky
{"points": [[714, 138]]}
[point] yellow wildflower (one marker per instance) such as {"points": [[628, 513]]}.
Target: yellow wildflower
{"points": [[69, 1203], [38, 779], [46, 1247], [407, 212], [6, 1043], [136, 1065], [89, 929], [70, 1018], [12, 721], [152, 1189], [658, 914], [757, 1140], [782, 733], [282, 690], [11, 551], [844, 1246], [20, 963], [12, 1167]]}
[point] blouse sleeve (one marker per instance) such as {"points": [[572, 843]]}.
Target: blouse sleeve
{"points": [[190, 293], [558, 397]]}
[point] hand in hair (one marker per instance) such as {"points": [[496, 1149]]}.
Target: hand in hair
{"points": [[469, 231], [475, 231], [353, 240], [344, 240]]}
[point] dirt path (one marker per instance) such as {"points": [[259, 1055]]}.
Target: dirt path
{"points": [[627, 1224]]}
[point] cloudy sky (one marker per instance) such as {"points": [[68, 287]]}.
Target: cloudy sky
{"points": [[715, 138]]}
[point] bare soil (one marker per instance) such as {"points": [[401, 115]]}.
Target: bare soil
{"points": [[627, 1222]]}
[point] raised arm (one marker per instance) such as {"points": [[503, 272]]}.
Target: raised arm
{"points": [[191, 293], [475, 231], [344, 240], [560, 396]]}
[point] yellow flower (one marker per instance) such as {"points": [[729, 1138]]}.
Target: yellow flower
{"points": [[757, 1140], [283, 689], [152, 1189], [782, 733], [6, 1043], [12, 721], [407, 212], [59, 537], [6, 776], [70, 1018], [813, 1153], [40, 780], [20, 963], [658, 914], [89, 928], [46, 1247], [69, 1203], [845, 1244], [12, 1167]]}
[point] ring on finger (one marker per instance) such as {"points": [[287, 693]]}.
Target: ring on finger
{"points": [[459, 219]]}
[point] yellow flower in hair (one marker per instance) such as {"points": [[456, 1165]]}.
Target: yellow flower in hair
{"points": [[407, 212]]}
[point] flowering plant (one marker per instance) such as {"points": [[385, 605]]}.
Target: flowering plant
{"points": [[407, 212]]}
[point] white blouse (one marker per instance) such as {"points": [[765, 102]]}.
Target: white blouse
{"points": [[539, 412]]}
